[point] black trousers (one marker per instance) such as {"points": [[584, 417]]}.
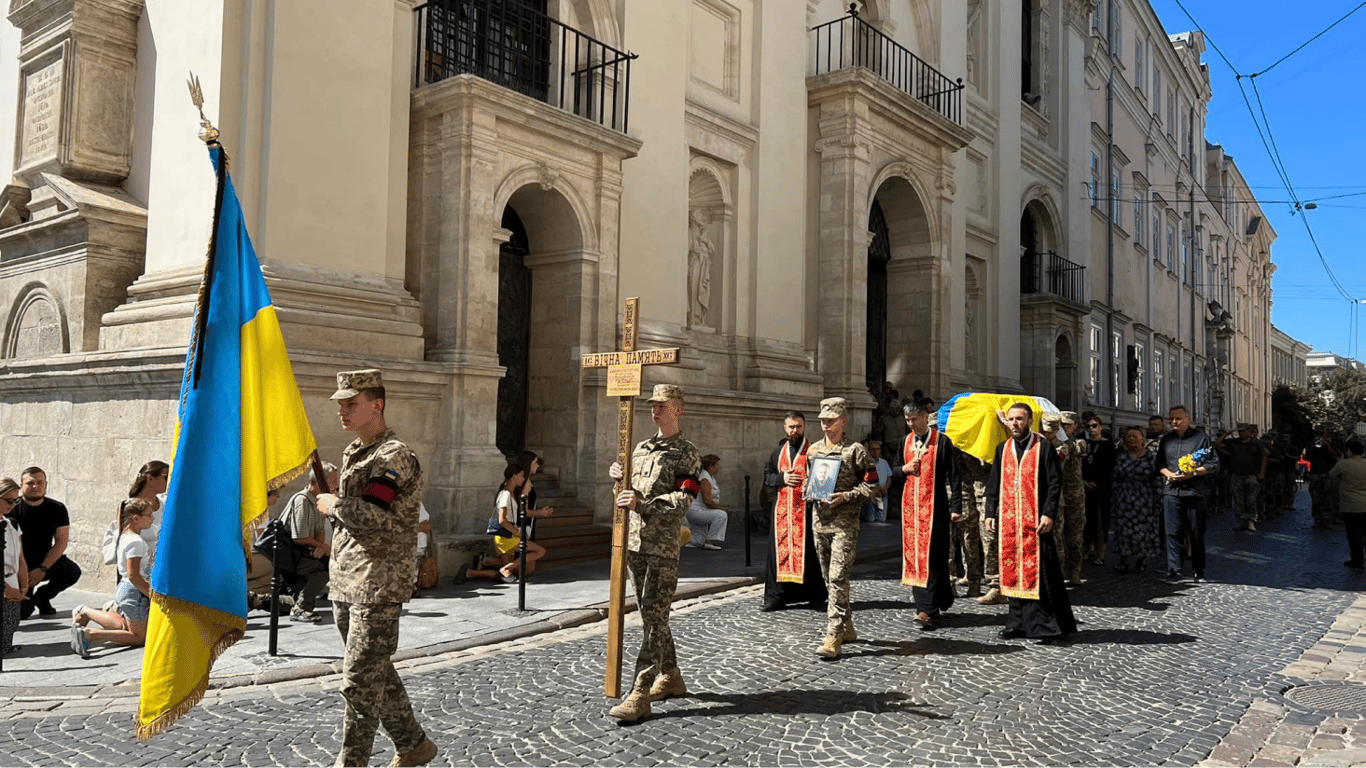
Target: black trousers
{"points": [[1355, 522], [1185, 515], [63, 574]]}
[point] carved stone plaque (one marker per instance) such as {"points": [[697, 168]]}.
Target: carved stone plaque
{"points": [[42, 112]]}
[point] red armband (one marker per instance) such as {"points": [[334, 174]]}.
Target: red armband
{"points": [[380, 491], [870, 476], [688, 484]]}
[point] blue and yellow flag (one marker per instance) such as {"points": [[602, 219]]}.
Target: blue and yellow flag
{"points": [[242, 430], [971, 420]]}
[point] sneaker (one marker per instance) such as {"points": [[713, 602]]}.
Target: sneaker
{"points": [[80, 641], [76, 615], [1251, 526], [509, 578], [308, 616], [993, 597], [711, 546]]}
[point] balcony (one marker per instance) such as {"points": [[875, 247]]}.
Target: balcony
{"points": [[522, 49], [852, 42], [1047, 273]]}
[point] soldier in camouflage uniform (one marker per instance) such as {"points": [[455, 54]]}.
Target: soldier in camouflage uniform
{"points": [[967, 526], [664, 482], [1072, 538], [374, 514], [836, 520], [973, 473]]}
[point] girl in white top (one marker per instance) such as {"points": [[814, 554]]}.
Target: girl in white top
{"points": [[133, 596], [150, 484], [706, 517], [506, 538], [15, 569]]}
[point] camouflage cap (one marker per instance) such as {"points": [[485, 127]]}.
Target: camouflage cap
{"points": [[663, 393], [1069, 417], [1050, 420], [1244, 426], [833, 408], [350, 383]]}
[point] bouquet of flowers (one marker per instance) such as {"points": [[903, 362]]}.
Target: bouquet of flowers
{"points": [[1191, 461]]}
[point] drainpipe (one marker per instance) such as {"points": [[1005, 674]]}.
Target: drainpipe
{"points": [[1190, 262], [1111, 375]]}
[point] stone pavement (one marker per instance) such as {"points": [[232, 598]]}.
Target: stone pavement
{"points": [[1159, 673]]}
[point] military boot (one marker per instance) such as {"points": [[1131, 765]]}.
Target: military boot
{"points": [[668, 685], [974, 589], [993, 597], [635, 707], [420, 755], [830, 649], [1075, 576], [850, 634]]}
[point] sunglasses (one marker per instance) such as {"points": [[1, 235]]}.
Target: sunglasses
{"points": [[12, 501], [1094, 426]]}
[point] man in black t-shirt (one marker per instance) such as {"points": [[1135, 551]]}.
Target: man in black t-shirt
{"points": [[1245, 458], [46, 525]]}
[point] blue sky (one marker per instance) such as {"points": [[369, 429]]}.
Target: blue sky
{"points": [[1315, 102]]}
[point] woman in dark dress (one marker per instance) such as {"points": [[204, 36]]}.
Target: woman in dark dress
{"points": [[1135, 517]]}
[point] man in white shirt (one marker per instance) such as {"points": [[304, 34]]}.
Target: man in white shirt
{"points": [[875, 511]]}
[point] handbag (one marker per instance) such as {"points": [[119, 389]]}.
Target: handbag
{"points": [[429, 573]]}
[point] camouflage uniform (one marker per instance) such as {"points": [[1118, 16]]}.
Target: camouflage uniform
{"points": [[973, 472], [371, 576], [968, 525], [664, 473], [836, 528], [1072, 532]]}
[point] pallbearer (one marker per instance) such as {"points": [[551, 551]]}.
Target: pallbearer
{"points": [[840, 476], [793, 573], [1022, 502], [664, 482], [932, 496]]}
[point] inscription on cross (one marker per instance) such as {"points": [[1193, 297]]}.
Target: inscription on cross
{"points": [[623, 382]]}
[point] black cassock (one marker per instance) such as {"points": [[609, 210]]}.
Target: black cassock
{"points": [[1051, 615], [938, 593], [812, 589]]}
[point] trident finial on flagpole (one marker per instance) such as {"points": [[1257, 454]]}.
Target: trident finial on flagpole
{"points": [[207, 133]]}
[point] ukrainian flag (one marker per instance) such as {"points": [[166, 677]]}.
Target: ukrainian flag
{"points": [[971, 421], [242, 430]]}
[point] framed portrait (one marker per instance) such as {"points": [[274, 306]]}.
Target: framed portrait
{"points": [[822, 471]]}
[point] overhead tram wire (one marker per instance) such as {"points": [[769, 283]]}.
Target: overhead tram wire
{"points": [[1276, 160], [1305, 44]]}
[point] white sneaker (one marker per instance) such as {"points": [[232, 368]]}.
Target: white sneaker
{"points": [[710, 546], [76, 614]]}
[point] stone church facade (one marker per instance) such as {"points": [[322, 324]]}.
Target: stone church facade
{"points": [[463, 192]]}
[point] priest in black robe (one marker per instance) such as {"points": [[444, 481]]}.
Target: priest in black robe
{"points": [[1022, 495], [790, 455], [932, 495]]}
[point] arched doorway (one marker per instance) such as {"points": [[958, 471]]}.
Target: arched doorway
{"points": [[514, 335], [879, 256]]}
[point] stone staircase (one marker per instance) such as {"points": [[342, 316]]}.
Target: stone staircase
{"points": [[570, 535]]}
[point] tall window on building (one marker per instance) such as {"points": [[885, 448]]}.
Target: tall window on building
{"points": [[1140, 377], [1182, 389], [1171, 113], [1171, 247], [1140, 196], [1097, 370], [1116, 368], [1115, 207], [1157, 88], [1185, 255], [1157, 383], [1157, 227], [1185, 131], [1140, 66], [1116, 32], [1098, 20], [1095, 180]]}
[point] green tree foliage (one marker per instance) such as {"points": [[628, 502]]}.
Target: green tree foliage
{"points": [[1291, 414], [1338, 399]]}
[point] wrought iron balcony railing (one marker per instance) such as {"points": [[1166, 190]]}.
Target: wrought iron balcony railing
{"points": [[852, 42], [1048, 272], [517, 46]]}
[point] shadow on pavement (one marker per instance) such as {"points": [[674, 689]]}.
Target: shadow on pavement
{"points": [[814, 702], [933, 646], [1129, 637]]}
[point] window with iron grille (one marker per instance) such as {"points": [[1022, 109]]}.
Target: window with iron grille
{"points": [[1157, 382], [1095, 180], [1097, 385]]}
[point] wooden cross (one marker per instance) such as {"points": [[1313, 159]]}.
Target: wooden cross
{"points": [[623, 381]]}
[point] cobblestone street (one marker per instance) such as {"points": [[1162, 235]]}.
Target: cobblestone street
{"points": [[1158, 674]]}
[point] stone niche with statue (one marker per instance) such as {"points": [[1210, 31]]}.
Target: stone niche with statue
{"points": [[71, 240]]}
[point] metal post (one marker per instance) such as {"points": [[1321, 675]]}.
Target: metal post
{"points": [[748, 522], [522, 518]]}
